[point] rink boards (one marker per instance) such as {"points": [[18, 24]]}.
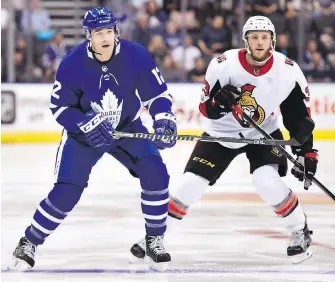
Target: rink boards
{"points": [[25, 114]]}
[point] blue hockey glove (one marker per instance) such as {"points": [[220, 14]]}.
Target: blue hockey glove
{"points": [[165, 123], [96, 130]]}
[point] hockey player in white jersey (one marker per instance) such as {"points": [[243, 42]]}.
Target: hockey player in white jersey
{"points": [[265, 80]]}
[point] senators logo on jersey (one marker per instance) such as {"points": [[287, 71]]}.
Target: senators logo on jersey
{"points": [[249, 106]]}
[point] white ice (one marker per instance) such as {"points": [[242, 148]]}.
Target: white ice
{"points": [[226, 236]]}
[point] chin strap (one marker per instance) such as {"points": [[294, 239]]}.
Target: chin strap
{"points": [[90, 48]]}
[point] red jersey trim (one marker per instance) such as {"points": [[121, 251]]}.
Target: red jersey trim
{"points": [[255, 71], [202, 109]]}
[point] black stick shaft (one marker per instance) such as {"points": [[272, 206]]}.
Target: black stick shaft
{"points": [[282, 150], [153, 136]]}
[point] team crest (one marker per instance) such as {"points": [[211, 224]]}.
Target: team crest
{"points": [[110, 108], [249, 106]]}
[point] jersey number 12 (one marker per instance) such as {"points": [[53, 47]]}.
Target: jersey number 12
{"points": [[158, 76]]}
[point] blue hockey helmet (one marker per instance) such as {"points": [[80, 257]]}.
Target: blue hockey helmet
{"points": [[98, 18]]}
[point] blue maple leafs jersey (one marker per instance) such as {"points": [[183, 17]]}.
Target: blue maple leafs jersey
{"points": [[117, 89]]}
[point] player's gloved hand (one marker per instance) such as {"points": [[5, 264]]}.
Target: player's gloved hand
{"points": [[165, 123], [227, 95], [309, 160], [96, 130]]}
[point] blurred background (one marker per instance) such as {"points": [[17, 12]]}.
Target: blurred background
{"points": [[182, 35]]}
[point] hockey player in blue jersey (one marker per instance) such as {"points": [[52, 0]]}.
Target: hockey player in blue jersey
{"points": [[99, 88]]}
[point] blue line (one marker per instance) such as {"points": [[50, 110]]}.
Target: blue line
{"points": [[173, 271]]}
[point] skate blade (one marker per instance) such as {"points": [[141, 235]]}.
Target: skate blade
{"points": [[18, 265], [302, 257], [134, 259], [160, 267]]}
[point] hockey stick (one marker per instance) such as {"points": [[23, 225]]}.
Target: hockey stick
{"points": [[152, 136], [282, 150]]}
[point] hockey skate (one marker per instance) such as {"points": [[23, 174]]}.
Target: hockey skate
{"points": [[138, 252], [156, 255], [299, 248], [23, 256]]}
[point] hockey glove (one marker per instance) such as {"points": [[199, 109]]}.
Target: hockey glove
{"points": [[309, 160], [227, 95], [165, 123], [96, 130]]}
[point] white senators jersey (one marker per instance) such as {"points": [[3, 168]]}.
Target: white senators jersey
{"points": [[279, 83]]}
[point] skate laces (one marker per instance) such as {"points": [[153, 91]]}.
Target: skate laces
{"points": [[28, 248], [157, 245], [297, 238]]}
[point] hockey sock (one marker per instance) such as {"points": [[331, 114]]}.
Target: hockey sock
{"points": [[274, 192], [52, 211], [190, 189], [155, 193]]}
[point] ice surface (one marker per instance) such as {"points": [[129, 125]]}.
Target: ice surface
{"points": [[227, 236]]}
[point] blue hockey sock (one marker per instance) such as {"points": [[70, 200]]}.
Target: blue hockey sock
{"points": [[155, 194], [52, 211]]}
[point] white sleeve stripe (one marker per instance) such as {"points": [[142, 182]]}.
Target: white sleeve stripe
{"points": [[137, 115], [165, 116], [165, 94], [59, 111], [52, 106], [53, 94]]}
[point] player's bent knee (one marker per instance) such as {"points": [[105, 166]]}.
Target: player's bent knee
{"points": [[64, 196], [269, 184], [190, 189], [153, 173], [265, 176]]}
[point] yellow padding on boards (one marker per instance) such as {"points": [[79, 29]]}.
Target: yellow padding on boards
{"points": [[51, 137], [31, 137]]}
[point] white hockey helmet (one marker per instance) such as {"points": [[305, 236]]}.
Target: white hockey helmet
{"points": [[258, 23]]}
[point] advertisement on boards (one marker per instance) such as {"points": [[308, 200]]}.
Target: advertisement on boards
{"points": [[25, 114]]}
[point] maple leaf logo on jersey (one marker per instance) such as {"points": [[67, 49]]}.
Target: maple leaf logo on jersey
{"points": [[110, 108], [249, 106]]}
